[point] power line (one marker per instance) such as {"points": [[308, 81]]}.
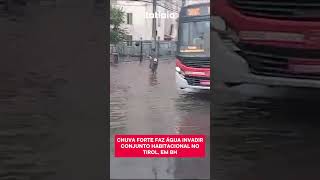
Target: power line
{"points": [[169, 4], [166, 7], [175, 3]]}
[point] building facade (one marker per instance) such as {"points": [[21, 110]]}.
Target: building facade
{"points": [[138, 20]]}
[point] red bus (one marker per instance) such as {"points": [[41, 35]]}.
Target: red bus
{"points": [[193, 48], [267, 42]]}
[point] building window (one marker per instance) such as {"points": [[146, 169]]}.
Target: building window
{"points": [[129, 18], [129, 40]]}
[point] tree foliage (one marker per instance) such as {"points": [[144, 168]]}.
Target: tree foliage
{"points": [[117, 18]]}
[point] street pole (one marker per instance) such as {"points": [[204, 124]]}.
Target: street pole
{"points": [[141, 52], [154, 24], [158, 47], [183, 3]]}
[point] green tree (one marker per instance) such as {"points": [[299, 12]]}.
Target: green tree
{"points": [[117, 18]]}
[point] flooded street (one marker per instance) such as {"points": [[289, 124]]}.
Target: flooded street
{"points": [[52, 98], [263, 133], [146, 103], [26, 126]]}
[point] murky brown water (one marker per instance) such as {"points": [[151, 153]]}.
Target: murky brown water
{"points": [[264, 133], [51, 96], [26, 125], [143, 103]]}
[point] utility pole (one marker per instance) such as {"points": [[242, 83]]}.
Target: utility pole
{"points": [[141, 52], [183, 3], [154, 25]]}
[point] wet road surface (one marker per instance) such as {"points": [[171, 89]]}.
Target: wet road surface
{"points": [[24, 133], [263, 133], [143, 103], [52, 98]]}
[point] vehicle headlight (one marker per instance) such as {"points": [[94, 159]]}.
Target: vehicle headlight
{"points": [[218, 23], [227, 35], [180, 71]]}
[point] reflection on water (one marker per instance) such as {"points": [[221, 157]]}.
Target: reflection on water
{"points": [[40, 117], [143, 102], [260, 134], [153, 79], [26, 125]]}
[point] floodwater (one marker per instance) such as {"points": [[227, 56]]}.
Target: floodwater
{"points": [[51, 96], [27, 126], [265, 133], [146, 103]]}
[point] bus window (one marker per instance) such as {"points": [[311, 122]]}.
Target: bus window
{"points": [[195, 37]]}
